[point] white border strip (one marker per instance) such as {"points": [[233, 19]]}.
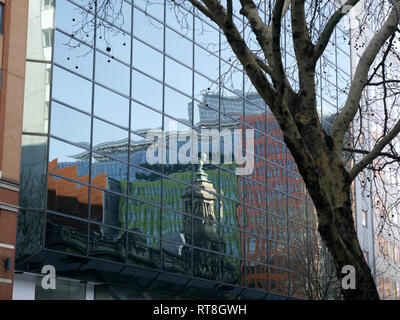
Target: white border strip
{"points": [[8, 207], [5, 280], [7, 246], [8, 185]]}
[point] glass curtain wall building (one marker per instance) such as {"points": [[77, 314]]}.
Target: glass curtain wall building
{"points": [[99, 87]]}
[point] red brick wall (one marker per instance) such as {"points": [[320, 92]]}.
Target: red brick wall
{"points": [[6, 288], [12, 63]]}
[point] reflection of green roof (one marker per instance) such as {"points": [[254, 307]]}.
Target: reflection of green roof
{"points": [[146, 218]]}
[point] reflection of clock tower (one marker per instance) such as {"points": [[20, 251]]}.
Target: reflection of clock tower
{"points": [[200, 201]]}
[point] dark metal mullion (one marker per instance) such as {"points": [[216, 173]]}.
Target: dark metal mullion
{"points": [[336, 72], [37, 134], [40, 60], [91, 128], [286, 191], [220, 262], [287, 221], [265, 156], [321, 78], [266, 196], [242, 202], [48, 134], [127, 199], [193, 131], [161, 266]]}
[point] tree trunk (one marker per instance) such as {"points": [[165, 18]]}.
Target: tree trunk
{"points": [[329, 185], [342, 242], [336, 226]]}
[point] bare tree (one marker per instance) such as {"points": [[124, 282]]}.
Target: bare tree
{"points": [[318, 152], [317, 274]]}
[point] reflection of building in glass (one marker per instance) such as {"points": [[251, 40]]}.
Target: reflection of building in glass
{"points": [[99, 212], [72, 198]]}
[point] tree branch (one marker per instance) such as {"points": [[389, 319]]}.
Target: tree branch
{"points": [[375, 152], [382, 82], [203, 9], [301, 38], [261, 31], [246, 57], [276, 42], [360, 79], [326, 34], [229, 8], [381, 154]]}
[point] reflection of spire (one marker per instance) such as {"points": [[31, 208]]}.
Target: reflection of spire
{"points": [[201, 174]]}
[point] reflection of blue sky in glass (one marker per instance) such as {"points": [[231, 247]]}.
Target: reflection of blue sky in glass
{"points": [[75, 91], [113, 107], [63, 151], [69, 124], [73, 54], [106, 101], [71, 89], [141, 57]]}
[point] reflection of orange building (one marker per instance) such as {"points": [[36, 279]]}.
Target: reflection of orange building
{"points": [[272, 174], [71, 197]]}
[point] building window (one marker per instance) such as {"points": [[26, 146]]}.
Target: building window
{"points": [[382, 246], [48, 76], [47, 35], [364, 218], [366, 257], [398, 289], [392, 249], [47, 4], [362, 177], [385, 247], [394, 293], [387, 288], [393, 215], [362, 139], [380, 286]]}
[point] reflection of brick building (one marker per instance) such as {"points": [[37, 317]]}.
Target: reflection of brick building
{"points": [[70, 235], [270, 248], [70, 197]]}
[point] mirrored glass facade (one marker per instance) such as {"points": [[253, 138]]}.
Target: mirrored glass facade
{"points": [[135, 128]]}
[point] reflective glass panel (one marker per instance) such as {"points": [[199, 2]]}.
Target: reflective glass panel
{"points": [[65, 234], [72, 89], [111, 106], [68, 160], [36, 97], [33, 172], [147, 59], [107, 243], [73, 55], [112, 73], [143, 25], [70, 124], [147, 90]]}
